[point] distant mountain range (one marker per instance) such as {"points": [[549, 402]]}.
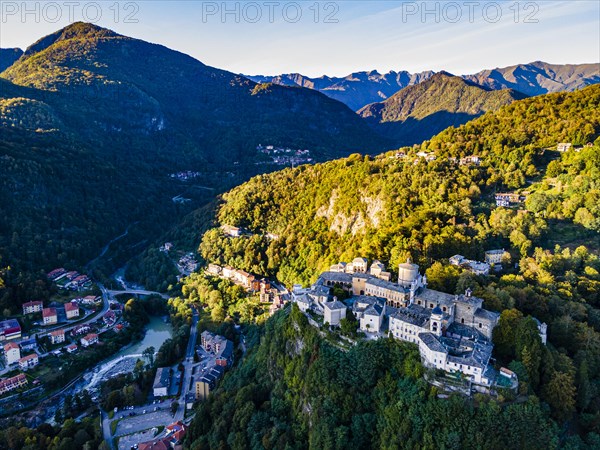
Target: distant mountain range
{"points": [[420, 111], [361, 88], [356, 90]]}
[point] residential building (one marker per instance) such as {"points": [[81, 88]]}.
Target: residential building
{"points": [[89, 300], [476, 267], [231, 231], [509, 199], [71, 348], [563, 146], [29, 361], [221, 347], [32, 307], [49, 316], [57, 337], [13, 383], [207, 382], [161, 382], [12, 353], [334, 312], [496, 256], [89, 339], [10, 329], [72, 310]]}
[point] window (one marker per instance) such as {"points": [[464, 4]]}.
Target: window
{"points": [[444, 309], [462, 320], [480, 325], [431, 305]]}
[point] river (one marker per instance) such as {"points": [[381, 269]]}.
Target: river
{"points": [[157, 332]]}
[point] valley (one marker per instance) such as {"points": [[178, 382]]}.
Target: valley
{"points": [[194, 259]]}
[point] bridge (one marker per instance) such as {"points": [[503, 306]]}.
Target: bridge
{"points": [[138, 292]]}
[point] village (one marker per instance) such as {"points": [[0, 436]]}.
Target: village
{"points": [[43, 337], [285, 156]]}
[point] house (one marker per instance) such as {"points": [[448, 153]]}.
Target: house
{"points": [[335, 311], [57, 336], [161, 382], [496, 256], [56, 274], [360, 265], [32, 307], [29, 361], [49, 315], [214, 269], [28, 344], [12, 353], [477, 267], [303, 302], [563, 146], [166, 247], [89, 339], [509, 199], [175, 434], [231, 231], [13, 383], [109, 318], [71, 310], [80, 329], [456, 260], [71, 348], [542, 330]]}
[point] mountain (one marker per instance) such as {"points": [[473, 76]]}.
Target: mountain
{"points": [[538, 77], [418, 112], [105, 82], [93, 123], [362, 88], [355, 90], [302, 386], [8, 56]]}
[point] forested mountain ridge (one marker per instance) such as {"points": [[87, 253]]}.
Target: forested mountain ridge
{"points": [[106, 82], [94, 123], [539, 77], [403, 204], [362, 88], [369, 206], [418, 112]]}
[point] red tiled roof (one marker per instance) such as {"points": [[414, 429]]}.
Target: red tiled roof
{"points": [[49, 312]]}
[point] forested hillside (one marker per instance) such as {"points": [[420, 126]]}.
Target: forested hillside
{"points": [[93, 126], [418, 112], [297, 391], [401, 204]]}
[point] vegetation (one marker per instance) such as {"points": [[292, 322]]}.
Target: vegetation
{"points": [[390, 208], [420, 111], [296, 390]]}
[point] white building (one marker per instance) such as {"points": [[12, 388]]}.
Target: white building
{"points": [[370, 313], [28, 361], [57, 336], [334, 312], [49, 315], [12, 353], [89, 339]]}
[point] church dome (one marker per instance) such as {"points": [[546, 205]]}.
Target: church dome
{"points": [[437, 310]]}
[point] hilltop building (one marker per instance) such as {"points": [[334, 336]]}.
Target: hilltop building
{"points": [[453, 332]]}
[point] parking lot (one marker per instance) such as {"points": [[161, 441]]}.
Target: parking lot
{"points": [[137, 420], [126, 442]]}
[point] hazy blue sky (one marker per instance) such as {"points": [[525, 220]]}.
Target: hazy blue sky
{"points": [[335, 38]]}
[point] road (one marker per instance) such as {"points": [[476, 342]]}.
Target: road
{"points": [[188, 362]]}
